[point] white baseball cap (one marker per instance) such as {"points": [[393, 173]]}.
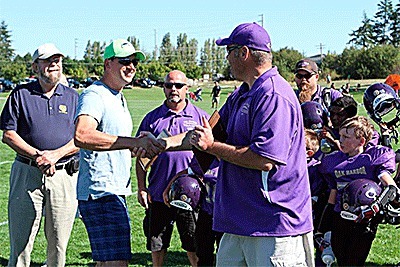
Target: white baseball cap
{"points": [[45, 51]]}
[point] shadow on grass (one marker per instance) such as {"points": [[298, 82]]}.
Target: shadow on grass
{"points": [[173, 258]]}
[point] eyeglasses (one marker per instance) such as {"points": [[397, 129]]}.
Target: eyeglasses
{"points": [[126, 61], [171, 85], [307, 76], [229, 49]]}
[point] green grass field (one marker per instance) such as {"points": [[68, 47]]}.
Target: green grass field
{"points": [[385, 250]]}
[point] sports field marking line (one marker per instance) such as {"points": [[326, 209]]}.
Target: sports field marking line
{"points": [[5, 162]]}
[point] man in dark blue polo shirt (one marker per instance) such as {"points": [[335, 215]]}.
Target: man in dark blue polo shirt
{"points": [[38, 124]]}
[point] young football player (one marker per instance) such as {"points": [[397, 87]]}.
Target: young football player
{"points": [[354, 227]]}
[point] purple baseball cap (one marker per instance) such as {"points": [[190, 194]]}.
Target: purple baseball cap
{"points": [[251, 35]]}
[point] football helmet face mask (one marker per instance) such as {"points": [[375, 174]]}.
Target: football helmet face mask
{"points": [[379, 99], [358, 193], [185, 192], [315, 117], [392, 214]]}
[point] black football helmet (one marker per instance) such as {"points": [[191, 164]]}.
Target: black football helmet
{"points": [[185, 192]]}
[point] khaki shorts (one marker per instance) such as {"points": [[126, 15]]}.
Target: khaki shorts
{"points": [[235, 250]]}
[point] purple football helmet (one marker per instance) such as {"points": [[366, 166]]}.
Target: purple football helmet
{"points": [[314, 115], [358, 193], [185, 192], [379, 99]]}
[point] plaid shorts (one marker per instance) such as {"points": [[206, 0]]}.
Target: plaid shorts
{"points": [[107, 222]]}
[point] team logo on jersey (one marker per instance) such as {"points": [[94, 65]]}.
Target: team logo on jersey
{"points": [[62, 109], [189, 125], [245, 108]]}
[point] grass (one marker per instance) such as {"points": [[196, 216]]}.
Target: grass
{"points": [[385, 250]]}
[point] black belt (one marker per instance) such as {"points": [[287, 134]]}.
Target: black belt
{"points": [[31, 162]]}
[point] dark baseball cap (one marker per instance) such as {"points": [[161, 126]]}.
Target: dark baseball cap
{"points": [[251, 35], [307, 65]]}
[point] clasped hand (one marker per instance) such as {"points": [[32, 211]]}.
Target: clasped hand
{"points": [[147, 145]]}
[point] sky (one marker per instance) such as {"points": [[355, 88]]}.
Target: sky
{"points": [[306, 26]]}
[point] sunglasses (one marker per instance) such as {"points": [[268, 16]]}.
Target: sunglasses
{"points": [[307, 76], [126, 61], [171, 85], [51, 60], [229, 49]]}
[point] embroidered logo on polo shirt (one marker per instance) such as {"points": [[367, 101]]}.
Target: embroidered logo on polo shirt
{"points": [[245, 108], [189, 125], [62, 109]]}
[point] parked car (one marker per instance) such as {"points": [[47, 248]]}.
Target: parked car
{"points": [[6, 85], [27, 80], [89, 80], [74, 83]]}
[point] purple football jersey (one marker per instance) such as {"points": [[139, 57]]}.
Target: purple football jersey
{"points": [[267, 118], [338, 169]]}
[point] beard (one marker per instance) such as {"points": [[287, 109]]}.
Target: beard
{"points": [[306, 93], [51, 78], [174, 99]]}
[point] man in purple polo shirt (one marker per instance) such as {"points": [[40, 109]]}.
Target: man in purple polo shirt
{"points": [[38, 124], [262, 201], [176, 115], [306, 78]]}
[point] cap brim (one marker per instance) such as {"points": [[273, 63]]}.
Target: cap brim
{"points": [[224, 41], [139, 55], [309, 71]]}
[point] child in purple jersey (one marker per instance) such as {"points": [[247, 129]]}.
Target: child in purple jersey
{"points": [[318, 187], [351, 241]]}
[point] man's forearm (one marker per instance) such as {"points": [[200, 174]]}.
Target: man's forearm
{"points": [[242, 156]]}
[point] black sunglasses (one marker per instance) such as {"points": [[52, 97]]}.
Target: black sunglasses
{"points": [[126, 61], [307, 76], [171, 85], [229, 49]]}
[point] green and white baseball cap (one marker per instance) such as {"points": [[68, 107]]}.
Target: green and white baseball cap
{"points": [[122, 48]]}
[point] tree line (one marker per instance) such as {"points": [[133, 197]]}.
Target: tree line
{"points": [[373, 52]]}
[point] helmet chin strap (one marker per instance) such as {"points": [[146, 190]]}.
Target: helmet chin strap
{"points": [[388, 129]]}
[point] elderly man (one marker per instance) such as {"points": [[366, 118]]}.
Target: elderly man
{"points": [[103, 131], [38, 124]]}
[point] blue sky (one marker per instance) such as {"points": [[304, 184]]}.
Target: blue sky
{"points": [[302, 25]]}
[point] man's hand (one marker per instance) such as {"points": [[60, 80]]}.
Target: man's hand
{"points": [[144, 198], [202, 137], [365, 213], [46, 161], [147, 146]]}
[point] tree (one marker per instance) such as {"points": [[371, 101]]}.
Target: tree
{"points": [[6, 51], [206, 57], [166, 50], [382, 22], [363, 36], [285, 59], [394, 26]]}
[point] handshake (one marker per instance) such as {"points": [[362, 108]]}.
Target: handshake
{"points": [[155, 146], [147, 146]]}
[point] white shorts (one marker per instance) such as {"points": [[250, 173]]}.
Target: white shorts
{"points": [[235, 250]]}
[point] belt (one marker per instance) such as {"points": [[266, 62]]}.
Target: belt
{"points": [[31, 162]]}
